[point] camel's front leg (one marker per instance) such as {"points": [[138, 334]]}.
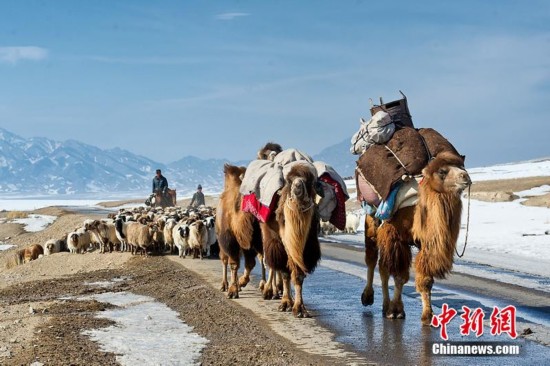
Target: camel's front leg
{"points": [[224, 259], [286, 301], [233, 292], [424, 285], [249, 264], [278, 284], [267, 292], [263, 280], [299, 310], [371, 256]]}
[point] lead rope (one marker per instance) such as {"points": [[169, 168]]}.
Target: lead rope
{"points": [[467, 227]]}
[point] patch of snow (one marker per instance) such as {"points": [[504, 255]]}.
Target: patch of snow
{"points": [[6, 246], [536, 191], [525, 169], [507, 227], [35, 223], [135, 336]]}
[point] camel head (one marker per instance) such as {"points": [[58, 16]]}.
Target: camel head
{"points": [[301, 181], [446, 174], [233, 173], [269, 151]]}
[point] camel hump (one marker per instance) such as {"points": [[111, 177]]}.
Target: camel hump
{"points": [[233, 170]]}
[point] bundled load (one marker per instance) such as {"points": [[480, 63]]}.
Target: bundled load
{"points": [[395, 163], [264, 178]]}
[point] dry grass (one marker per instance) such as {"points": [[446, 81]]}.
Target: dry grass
{"points": [[17, 215]]}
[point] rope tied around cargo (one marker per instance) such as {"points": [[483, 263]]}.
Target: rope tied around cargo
{"points": [[467, 227]]}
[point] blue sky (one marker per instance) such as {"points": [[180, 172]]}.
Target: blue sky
{"points": [[166, 79]]}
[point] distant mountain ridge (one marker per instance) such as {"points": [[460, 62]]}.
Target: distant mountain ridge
{"points": [[42, 166]]}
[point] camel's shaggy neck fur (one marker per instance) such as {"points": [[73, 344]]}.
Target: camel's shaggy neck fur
{"points": [[437, 215], [295, 214]]}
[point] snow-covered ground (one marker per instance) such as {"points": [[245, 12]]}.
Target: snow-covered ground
{"points": [[35, 223], [135, 336], [533, 168], [6, 246]]}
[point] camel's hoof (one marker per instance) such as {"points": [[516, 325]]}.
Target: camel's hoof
{"points": [[367, 297], [243, 281], [267, 293], [400, 315], [233, 292], [224, 286], [427, 318], [276, 296], [300, 312], [262, 285], [286, 305]]}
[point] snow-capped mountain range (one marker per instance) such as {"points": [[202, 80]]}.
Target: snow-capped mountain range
{"points": [[42, 166]]}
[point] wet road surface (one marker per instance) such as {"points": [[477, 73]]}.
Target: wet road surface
{"points": [[334, 293]]}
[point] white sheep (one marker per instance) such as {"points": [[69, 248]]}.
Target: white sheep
{"points": [[211, 229], [180, 234], [198, 237], [352, 223], [104, 233], [168, 233], [78, 241]]}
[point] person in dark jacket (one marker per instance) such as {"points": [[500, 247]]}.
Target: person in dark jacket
{"points": [[160, 184], [198, 198]]}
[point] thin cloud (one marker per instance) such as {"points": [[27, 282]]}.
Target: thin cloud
{"points": [[13, 55], [145, 60], [231, 16]]}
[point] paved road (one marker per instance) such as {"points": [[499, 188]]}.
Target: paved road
{"points": [[334, 293]]}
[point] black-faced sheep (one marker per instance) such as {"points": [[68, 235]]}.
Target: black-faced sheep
{"points": [[180, 234]]}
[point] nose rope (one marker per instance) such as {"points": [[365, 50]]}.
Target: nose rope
{"points": [[301, 209], [467, 226]]}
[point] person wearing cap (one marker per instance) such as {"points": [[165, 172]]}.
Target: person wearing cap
{"points": [[160, 184], [198, 198]]}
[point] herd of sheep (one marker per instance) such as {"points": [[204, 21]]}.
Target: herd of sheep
{"points": [[144, 230], [155, 230]]}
